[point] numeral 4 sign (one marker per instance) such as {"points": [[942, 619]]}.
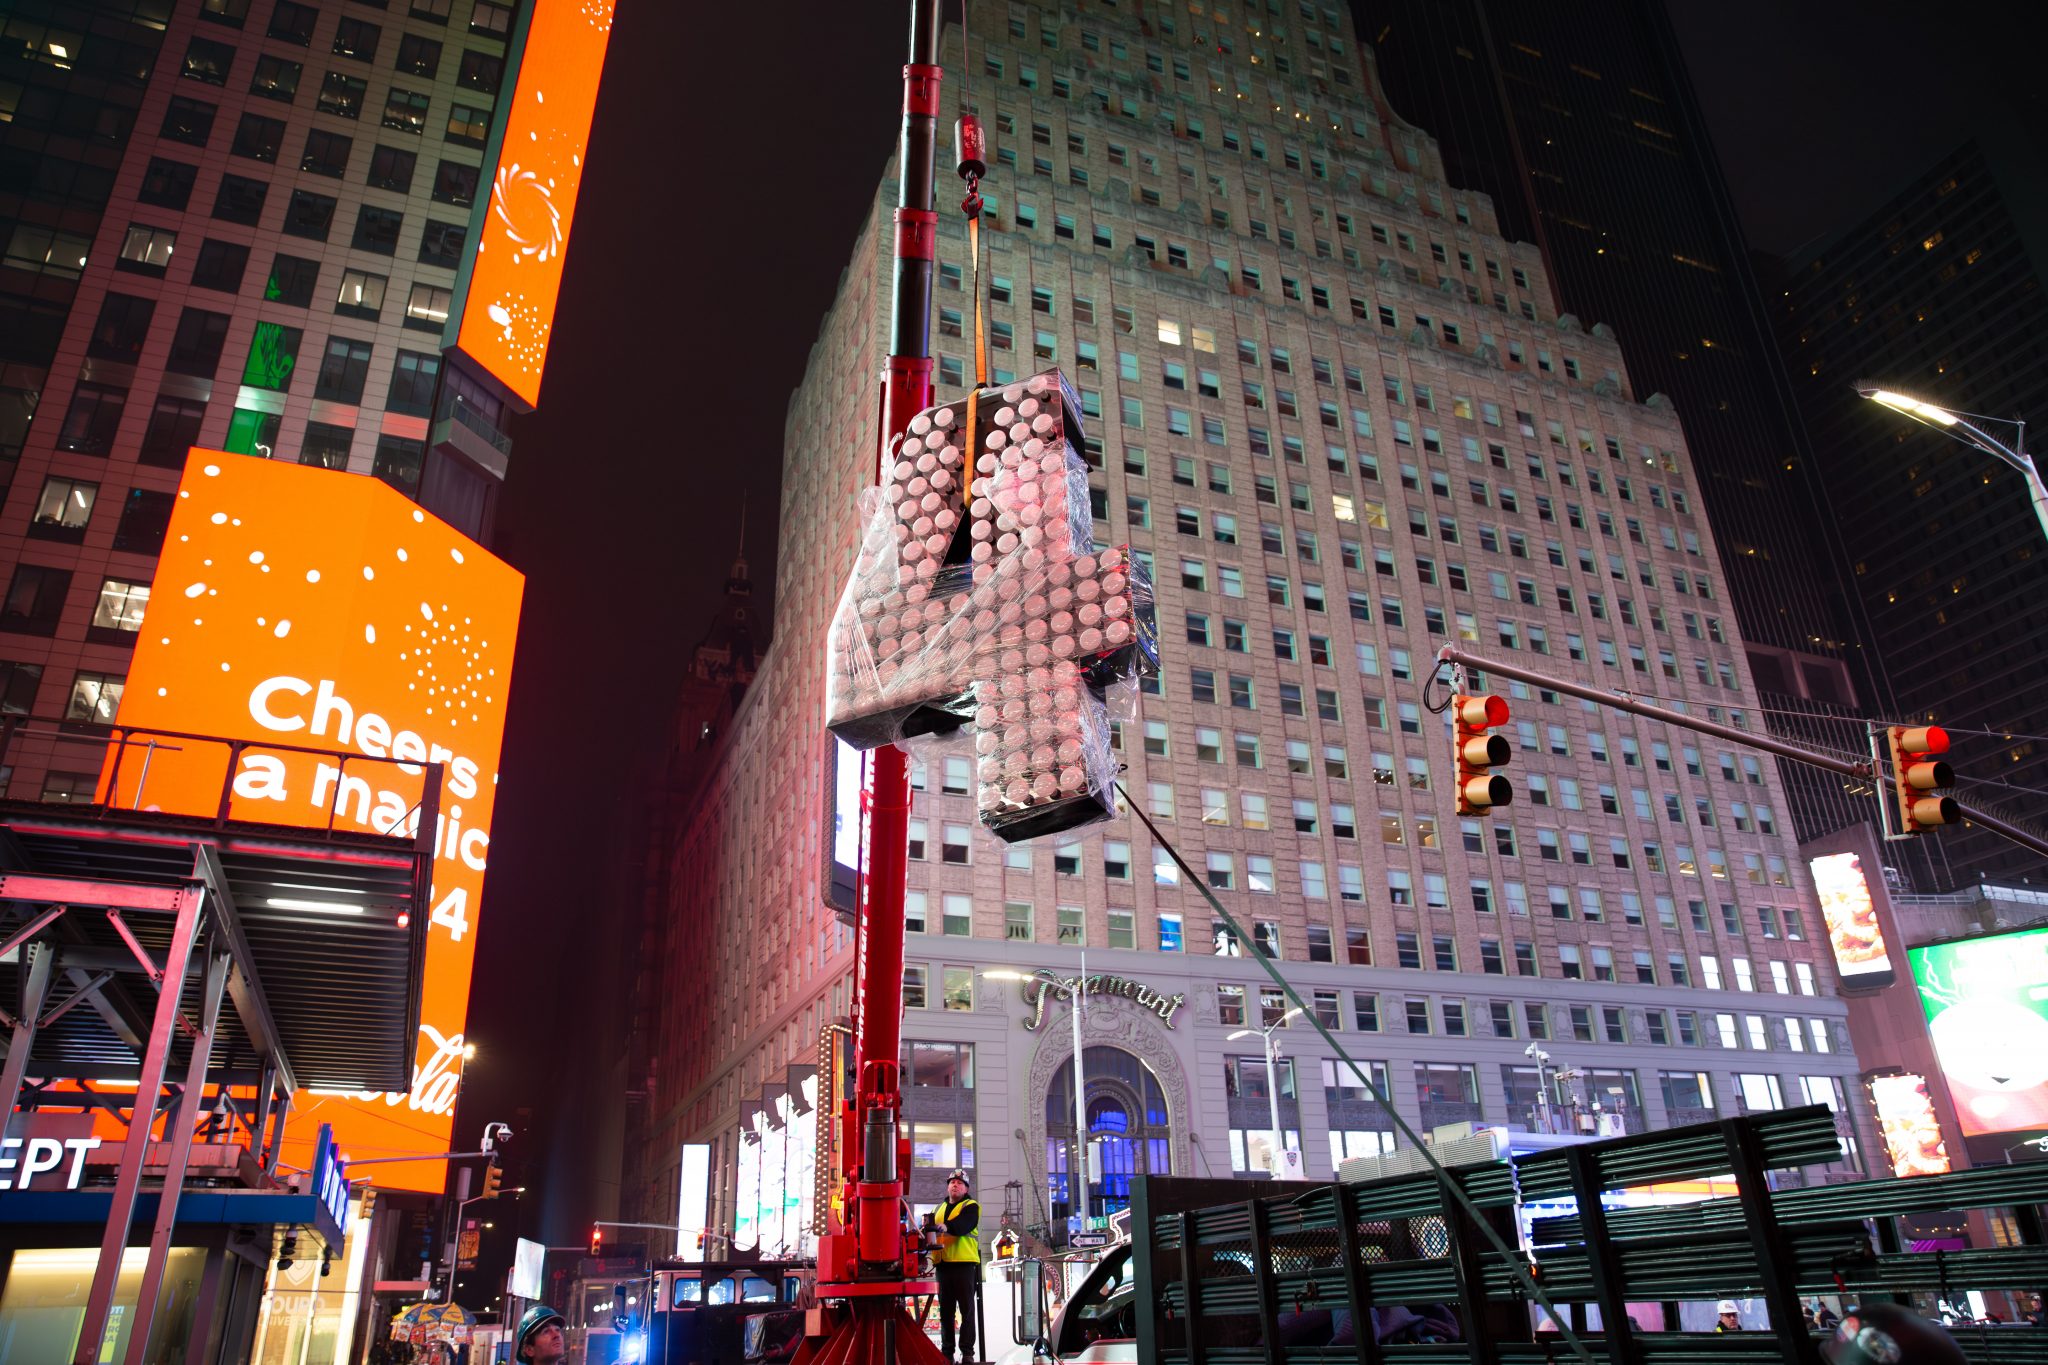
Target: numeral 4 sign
{"points": [[980, 602]]}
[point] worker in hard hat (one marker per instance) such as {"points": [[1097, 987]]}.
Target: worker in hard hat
{"points": [[540, 1337], [958, 1263]]}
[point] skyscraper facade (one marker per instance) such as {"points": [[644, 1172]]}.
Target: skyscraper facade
{"points": [[1578, 119], [245, 225], [1938, 293], [1335, 408]]}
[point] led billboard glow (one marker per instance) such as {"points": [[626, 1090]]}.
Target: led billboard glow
{"points": [[1853, 930], [508, 300], [527, 1259], [693, 1200], [1906, 1119], [1986, 1001], [308, 607]]}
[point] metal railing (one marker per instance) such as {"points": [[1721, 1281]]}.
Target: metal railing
{"points": [[116, 741]]}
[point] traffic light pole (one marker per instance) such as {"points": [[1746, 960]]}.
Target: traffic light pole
{"points": [[1624, 701]]}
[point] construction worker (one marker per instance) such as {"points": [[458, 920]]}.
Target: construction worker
{"points": [[958, 1262], [540, 1337], [1728, 1318]]}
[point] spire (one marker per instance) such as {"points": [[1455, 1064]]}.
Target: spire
{"points": [[737, 584]]}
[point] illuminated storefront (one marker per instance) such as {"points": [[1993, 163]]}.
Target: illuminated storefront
{"points": [[988, 1074]]}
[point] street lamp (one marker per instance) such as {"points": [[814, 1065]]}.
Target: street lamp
{"points": [[2039, 1144], [1959, 426], [1542, 1059], [1278, 1161], [1081, 1177]]}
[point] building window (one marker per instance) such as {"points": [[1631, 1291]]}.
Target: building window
{"points": [[426, 309], [196, 345], [327, 154], [481, 72], [95, 697], [146, 249], [361, 295], [341, 95], [398, 462], [326, 446], [167, 184], [957, 985], [121, 605], [240, 199], [293, 22], [392, 168], [207, 62], [357, 38], [144, 518], [455, 183], [418, 55], [913, 988], [122, 325], [491, 19], [342, 371], [413, 375], [173, 430], [441, 244], [259, 138], [220, 266], [467, 126], [276, 78], [292, 280], [189, 120], [35, 600], [92, 419], [405, 111], [377, 230], [309, 215], [273, 356]]}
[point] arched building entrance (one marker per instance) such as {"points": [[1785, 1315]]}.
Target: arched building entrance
{"points": [[1128, 1122]]}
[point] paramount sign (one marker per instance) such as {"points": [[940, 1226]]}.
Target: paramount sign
{"points": [[1047, 985]]}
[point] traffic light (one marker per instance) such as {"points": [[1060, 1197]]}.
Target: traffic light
{"points": [[1919, 777], [493, 1177], [596, 1240], [1478, 752]]}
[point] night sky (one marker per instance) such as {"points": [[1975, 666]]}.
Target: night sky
{"points": [[734, 155]]}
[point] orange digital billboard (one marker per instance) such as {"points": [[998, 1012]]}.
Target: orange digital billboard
{"points": [[508, 302], [302, 606]]}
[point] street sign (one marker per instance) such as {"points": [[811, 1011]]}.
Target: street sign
{"points": [[1083, 1240]]}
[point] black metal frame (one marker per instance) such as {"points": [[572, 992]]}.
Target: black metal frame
{"points": [[1781, 1244]]}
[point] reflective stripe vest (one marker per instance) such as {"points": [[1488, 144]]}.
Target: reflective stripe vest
{"points": [[965, 1247]]}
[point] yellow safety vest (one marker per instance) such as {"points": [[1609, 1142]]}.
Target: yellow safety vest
{"points": [[966, 1247]]}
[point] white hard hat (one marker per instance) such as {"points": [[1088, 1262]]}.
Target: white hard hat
{"points": [[1726, 1306]]}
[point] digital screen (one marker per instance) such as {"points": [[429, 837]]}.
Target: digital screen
{"points": [[845, 776], [1853, 930], [508, 299], [1986, 1001], [311, 607], [527, 1259], [1906, 1119], [746, 1221], [693, 1201]]}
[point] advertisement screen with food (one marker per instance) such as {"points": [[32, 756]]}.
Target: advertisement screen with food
{"points": [[1986, 1001], [1912, 1133], [1853, 930]]}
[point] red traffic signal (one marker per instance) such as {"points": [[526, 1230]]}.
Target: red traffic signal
{"points": [[1919, 777], [1478, 752], [596, 1240]]}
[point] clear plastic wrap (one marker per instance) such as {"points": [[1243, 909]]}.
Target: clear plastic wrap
{"points": [[978, 603]]}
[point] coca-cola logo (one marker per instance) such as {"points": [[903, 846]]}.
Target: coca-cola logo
{"points": [[436, 1077]]}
